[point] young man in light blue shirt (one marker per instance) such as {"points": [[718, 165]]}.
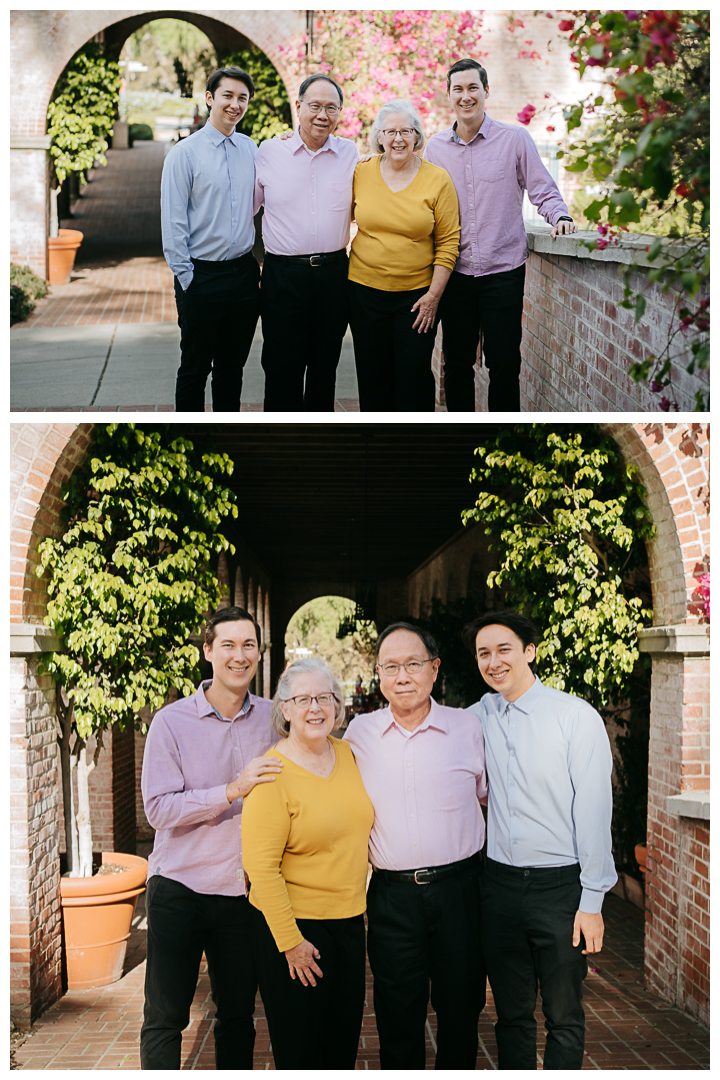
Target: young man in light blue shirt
{"points": [[549, 863], [208, 236]]}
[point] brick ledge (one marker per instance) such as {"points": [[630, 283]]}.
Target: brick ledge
{"points": [[685, 640], [689, 804], [631, 248], [27, 639]]}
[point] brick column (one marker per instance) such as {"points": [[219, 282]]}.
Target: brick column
{"points": [[677, 888], [35, 930]]}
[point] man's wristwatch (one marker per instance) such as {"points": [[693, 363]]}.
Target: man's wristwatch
{"points": [[564, 218]]}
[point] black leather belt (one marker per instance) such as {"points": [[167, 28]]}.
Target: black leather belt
{"points": [[311, 260], [429, 874]]}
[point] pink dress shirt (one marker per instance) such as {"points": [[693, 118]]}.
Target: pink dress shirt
{"points": [[307, 196], [191, 755], [490, 174], [425, 786]]}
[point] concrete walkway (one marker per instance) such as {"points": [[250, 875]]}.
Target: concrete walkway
{"points": [[126, 367], [627, 1028]]}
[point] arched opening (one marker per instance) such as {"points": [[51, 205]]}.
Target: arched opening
{"points": [[332, 627]]}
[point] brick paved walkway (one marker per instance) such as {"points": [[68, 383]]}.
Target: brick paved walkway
{"points": [[627, 1028]]}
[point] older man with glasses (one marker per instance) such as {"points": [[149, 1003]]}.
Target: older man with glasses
{"points": [[305, 185], [423, 766]]}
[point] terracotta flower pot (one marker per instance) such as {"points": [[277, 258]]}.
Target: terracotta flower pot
{"points": [[97, 915], [61, 255], [641, 857]]}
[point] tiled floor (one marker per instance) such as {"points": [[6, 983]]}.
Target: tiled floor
{"points": [[627, 1028]]}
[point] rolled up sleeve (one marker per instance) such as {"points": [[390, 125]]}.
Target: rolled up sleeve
{"points": [[542, 190]]}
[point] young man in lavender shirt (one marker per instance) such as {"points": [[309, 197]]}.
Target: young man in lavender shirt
{"points": [[202, 756], [491, 164], [549, 857], [423, 766]]}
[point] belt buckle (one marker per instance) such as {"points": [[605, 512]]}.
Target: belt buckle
{"points": [[315, 263], [425, 871]]}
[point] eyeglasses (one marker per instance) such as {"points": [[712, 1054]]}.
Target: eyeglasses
{"points": [[304, 701], [413, 667], [314, 107], [406, 133]]}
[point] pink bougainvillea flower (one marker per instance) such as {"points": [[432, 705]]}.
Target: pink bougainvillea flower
{"points": [[526, 114], [566, 24], [550, 127]]}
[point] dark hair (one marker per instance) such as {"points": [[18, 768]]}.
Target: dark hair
{"points": [[513, 620], [229, 614], [216, 77], [427, 639], [313, 78], [468, 65]]}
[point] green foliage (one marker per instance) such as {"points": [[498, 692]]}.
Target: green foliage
{"points": [[82, 111], [176, 54], [140, 132], [130, 580], [314, 626], [21, 305], [269, 111], [647, 143], [568, 523], [25, 288]]}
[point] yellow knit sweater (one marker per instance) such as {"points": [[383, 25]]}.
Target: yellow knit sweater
{"points": [[305, 844], [403, 234]]}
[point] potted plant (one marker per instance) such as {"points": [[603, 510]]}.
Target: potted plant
{"points": [[128, 583], [80, 121]]}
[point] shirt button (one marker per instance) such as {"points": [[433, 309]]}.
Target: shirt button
{"points": [[409, 789], [409, 765]]}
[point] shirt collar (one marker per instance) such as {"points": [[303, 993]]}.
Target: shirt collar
{"points": [[216, 137], [527, 701], [434, 719], [483, 130], [296, 143], [206, 709]]}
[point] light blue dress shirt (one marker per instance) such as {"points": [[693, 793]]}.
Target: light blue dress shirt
{"points": [[206, 200], [549, 767]]}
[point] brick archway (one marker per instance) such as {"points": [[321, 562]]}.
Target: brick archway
{"points": [[42, 43], [673, 462]]}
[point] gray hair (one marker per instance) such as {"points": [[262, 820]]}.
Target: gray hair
{"points": [[402, 106], [284, 691]]}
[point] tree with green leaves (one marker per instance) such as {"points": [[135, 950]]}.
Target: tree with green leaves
{"points": [[129, 580], [81, 114], [645, 143], [568, 525], [269, 112]]}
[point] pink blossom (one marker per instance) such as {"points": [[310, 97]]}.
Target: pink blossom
{"points": [[526, 115]]}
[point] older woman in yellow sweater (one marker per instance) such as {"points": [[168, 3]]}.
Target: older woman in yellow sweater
{"points": [[401, 259], [305, 850]]}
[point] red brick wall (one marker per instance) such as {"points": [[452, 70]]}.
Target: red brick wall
{"points": [[695, 919], [578, 344], [34, 855]]}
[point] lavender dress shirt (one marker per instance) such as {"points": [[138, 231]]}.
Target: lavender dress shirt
{"points": [[191, 755], [490, 174], [307, 196], [425, 786]]}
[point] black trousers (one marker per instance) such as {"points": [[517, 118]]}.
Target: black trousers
{"points": [[494, 304], [528, 915], [314, 1027], [217, 317], [393, 361], [304, 312], [183, 924], [424, 944]]}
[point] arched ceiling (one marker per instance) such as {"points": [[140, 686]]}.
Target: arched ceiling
{"points": [[301, 494]]}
